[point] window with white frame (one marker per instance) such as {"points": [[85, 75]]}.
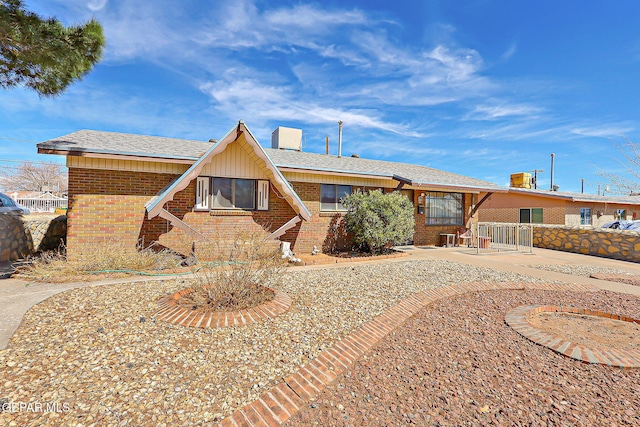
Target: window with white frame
{"points": [[331, 196], [585, 216], [444, 208], [231, 193]]}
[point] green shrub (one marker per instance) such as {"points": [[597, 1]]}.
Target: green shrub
{"points": [[379, 220]]}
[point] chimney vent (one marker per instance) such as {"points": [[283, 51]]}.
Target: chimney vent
{"points": [[340, 138]]}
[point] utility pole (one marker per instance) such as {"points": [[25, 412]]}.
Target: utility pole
{"points": [[535, 177]]}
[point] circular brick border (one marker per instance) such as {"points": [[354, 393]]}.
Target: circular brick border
{"points": [[170, 311], [517, 319]]}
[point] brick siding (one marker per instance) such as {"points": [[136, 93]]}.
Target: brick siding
{"points": [[108, 204]]}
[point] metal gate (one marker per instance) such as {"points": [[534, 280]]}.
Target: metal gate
{"points": [[501, 236]]}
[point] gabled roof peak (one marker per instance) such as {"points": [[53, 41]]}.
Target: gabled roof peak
{"points": [[154, 206]]}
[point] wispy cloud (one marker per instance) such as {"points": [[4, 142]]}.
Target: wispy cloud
{"points": [[333, 63], [401, 149], [605, 131], [511, 50], [96, 5], [501, 111], [88, 106], [251, 98], [312, 43]]}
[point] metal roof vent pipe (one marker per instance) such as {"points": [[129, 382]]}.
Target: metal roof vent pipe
{"points": [[326, 143], [553, 156], [339, 138]]}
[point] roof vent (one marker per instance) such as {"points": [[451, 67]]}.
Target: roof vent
{"points": [[357, 156], [287, 138], [213, 140]]}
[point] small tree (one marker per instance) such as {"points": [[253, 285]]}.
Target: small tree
{"points": [[379, 220], [43, 54], [30, 176], [629, 182]]}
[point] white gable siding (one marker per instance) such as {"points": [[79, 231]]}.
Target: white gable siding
{"points": [[235, 162], [125, 165]]}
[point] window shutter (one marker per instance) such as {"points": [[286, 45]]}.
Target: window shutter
{"points": [[202, 193], [263, 195]]}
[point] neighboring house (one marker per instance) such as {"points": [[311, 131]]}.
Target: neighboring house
{"points": [[522, 205], [137, 188], [39, 201]]}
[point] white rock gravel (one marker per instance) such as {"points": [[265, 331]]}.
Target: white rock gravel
{"points": [[99, 355], [577, 269]]}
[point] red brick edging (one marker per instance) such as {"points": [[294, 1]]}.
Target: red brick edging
{"points": [[282, 401], [621, 358], [629, 279], [170, 311]]}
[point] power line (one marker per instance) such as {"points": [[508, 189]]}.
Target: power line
{"points": [[30, 161]]}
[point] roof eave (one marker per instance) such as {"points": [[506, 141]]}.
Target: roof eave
{"points": [[307, 169], [154, 205], [109, 154], [539, 194], [455, 187], [609, 201]]}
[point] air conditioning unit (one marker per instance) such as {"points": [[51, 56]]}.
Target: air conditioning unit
{"points": [[287, 138]]}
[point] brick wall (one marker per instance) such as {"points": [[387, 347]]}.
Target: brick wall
{"points": [[107, 204], [550, 215], [325, 230]]}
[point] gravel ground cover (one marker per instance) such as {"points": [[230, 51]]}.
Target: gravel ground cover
{"points": [[611, 274], [578, 270], [98, 354], [456, 363]]}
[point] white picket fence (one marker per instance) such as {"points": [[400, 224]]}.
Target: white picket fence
{"points": [[44, 202]]}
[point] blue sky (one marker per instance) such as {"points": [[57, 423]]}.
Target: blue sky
{"points": [[480, 88]]}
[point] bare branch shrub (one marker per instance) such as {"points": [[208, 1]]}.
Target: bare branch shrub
{"points": [[107, 257], [239, 276], [629, 183]]}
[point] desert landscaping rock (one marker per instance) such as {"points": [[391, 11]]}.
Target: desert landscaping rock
{"points": [[456, 363], [578, 269], [88, 349], [610, 274]]}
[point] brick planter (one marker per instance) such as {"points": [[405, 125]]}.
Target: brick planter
{"points": [[517, 319], [170, 311]]}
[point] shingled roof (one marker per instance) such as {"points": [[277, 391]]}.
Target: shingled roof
{"points": [[99, 143], [409, 173], [124, 144]]}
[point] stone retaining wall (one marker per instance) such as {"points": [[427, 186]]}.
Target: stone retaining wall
{"points": [[607, 243], [23, 235]]}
